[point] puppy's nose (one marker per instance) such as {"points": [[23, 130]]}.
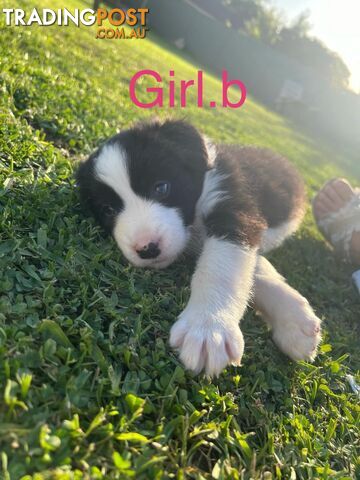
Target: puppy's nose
{"points": [[151, 250]]}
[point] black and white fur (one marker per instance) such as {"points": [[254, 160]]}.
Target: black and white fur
{"points": [[160, 187]]}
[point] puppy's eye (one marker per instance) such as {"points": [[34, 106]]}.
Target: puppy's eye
{"points": [[161, 189], [108, 210]]}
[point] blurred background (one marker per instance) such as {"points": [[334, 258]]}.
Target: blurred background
{"points": [[301, 58]]}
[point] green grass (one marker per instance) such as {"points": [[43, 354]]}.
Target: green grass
{"points": [[89, 386]]}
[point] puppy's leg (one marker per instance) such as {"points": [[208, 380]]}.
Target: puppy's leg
{"points": [[207, 333], [296, 328]]}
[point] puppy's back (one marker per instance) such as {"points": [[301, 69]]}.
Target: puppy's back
{"points": [[273, 183]]}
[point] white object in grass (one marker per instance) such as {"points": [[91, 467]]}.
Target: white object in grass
{"points": [[353, 384], [356, 279]]}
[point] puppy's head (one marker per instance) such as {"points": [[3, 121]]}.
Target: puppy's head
{"points": [[142, 186]]}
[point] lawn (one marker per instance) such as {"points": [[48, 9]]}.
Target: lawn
{"points": [[89, 386]]}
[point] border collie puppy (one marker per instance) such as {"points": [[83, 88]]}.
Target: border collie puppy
{"points": [[160, 186]]}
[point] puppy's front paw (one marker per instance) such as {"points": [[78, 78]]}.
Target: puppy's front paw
{"points": [[298, 332], [206, 343]]}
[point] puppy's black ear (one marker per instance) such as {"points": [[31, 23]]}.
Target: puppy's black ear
{"points": [[85, 180], [187, 142]]}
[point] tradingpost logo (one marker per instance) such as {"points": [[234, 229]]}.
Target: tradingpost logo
{"points": [[110, 23]]}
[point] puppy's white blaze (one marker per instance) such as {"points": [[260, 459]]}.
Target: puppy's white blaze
{"points": [[211, 193], [111, 168], [207, 332], [140, 217], [296, 328]]}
